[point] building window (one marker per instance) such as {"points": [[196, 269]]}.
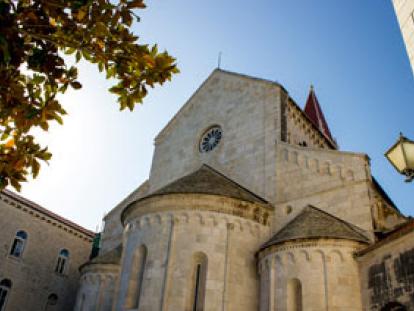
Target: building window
{"points": [[294, 295], [18, 244], [52, 301], [136, 279], [211, 138], [5, 286], [62, 262], [198, 282]]}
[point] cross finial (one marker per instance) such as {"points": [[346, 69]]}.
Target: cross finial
{"points": [[219, 60]]}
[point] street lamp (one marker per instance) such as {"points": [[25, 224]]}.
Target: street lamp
{"points": [[401, 156]]}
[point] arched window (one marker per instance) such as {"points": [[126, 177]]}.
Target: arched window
{"points": [[294, 295], [18, 244], [393, 306], [198, 282], [5, 286], [52, 301], [136, 278], [62, 262]]}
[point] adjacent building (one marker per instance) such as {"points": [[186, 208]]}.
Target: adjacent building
{"points": [[250, 205], [40, 253], [404, 10]]}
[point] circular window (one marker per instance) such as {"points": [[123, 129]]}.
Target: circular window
{"points": [[210, 139]]}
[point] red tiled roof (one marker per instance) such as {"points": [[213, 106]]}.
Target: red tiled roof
{"points": [[46, 212], [314, 112]]}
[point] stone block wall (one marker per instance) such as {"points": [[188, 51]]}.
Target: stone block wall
{"points": [[405, 14], [248, 112], [387, 273], [97, 288], [33, 275], [173, 238], [300, 130], [334, 181], [325, 271], [112, 233]]}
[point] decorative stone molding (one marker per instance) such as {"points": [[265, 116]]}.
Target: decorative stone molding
{"points": [[299, 120], [199, 218], [181, 205], [45, 218], [315, 165], [304, 249]]}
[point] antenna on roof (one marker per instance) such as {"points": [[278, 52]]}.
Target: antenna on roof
{"points": [[219, 60]]}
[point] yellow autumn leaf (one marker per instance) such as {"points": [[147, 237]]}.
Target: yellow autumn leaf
{"points": [[10, 143], [81, 14], [52, 21], [100, 43], [19, 164]]}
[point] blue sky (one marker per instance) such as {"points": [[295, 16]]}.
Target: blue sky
{"points": [[352, 51]]}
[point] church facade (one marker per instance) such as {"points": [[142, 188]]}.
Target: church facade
{"points": [[250, 206]]}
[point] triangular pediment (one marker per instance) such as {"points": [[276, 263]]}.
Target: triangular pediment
{"points": [[206, 84]]}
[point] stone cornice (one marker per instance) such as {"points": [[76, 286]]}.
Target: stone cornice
{"points": [[311, 243], [259, 213], [46, 216]]}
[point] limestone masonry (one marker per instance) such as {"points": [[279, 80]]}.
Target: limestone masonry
{"points": [[40, 253], [404, 10], [251, 206]]}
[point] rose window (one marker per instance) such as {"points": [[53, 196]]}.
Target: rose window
{"points": [[211, 139]]}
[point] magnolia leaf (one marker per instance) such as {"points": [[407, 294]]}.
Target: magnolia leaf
{"points": [[97, 31], [10, 143], [76, 85], [136, 4], [81, 14], [35, 168]]}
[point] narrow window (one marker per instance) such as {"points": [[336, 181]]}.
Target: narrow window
{"points": [[62, 262], [5, 286], [196, 306], [18, 244], [136, 278], [52, 301], [198, 282], [294, 295]]}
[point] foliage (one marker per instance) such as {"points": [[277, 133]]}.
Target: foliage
{"points": [[33, 36]]}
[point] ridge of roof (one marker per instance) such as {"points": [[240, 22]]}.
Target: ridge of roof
{"points": [[47, 212], [187, 102], [242, 75], [207, 180], [315, 114], [313, 223]]}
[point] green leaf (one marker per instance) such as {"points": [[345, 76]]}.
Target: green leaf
{"points": [[78, 56], [76, 85], [35, 168]]}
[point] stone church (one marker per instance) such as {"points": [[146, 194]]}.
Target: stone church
{"points": [[250, 205]]}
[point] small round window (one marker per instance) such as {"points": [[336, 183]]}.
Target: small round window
{"points": [[211, 138]]}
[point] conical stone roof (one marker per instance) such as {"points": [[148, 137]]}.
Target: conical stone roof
{"points": [[313, 223], [111, 257], [207, 180]]}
